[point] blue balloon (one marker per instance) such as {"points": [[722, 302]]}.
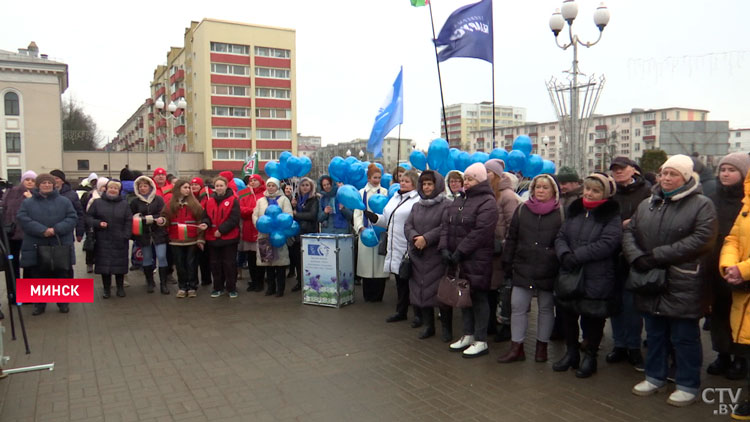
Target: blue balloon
{"points": [[360, 183], [239, 183], [377, 203], [548, 167], [278, 239], [393, 189], [522, 143], [294, 165], [437, 153], [264, 224], [480, 157], [305, 167], [350, 159], [369, 238], [285, 156], [500, 154], [355, 172], [464, 160], [348, 196], [386, 180], [292, 230], [337, 169], [516, 161], [407, 166], [418, 160], [273, 210], [282, 221], [272, 169], [534, 164]]}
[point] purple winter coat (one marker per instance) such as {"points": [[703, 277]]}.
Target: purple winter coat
{"points": [[11, 204], [427, 264]]}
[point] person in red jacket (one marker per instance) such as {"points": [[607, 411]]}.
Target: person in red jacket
{"points": [[202, 193], [222, 236], [249, 239], [230, 180], [163, 187]]}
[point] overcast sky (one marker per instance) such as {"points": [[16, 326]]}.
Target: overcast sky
{"points": [[653, 53]]}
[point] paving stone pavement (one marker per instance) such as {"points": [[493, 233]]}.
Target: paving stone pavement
{"points": [[150, 357]]}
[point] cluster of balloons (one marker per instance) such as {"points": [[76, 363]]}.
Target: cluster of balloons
{"points": [[348, 196], [278, 225], [352, 171], [288, 166], [444, 159]]}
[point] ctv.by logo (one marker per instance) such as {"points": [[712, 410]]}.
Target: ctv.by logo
{"points": [[726, 399]]}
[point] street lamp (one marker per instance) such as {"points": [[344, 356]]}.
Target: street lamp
{"points": [[576, 149], [172, 144]]}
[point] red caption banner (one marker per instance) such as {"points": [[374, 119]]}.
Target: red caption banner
{"points": [[55, 290]]}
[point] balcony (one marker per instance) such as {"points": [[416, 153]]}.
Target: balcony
{"points": [[159, 92], [649, 138], [179, 130], [600, 141], [180, 93], [600, 128], [161, 123], [177, 76], [649, 123]]}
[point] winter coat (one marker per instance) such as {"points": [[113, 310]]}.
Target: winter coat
{"points": [[568, 198], [369, 263], [164, 191], [184, 215], [112, 250], [736, 251], [448, 194], [594, 238], [507, 203], [39, 213], [340, 220], [11, 204], [426, 220], [467, 228], [677, 232], [149, 208], [394, 217], [248, 200], [260, 209], [630, 196], [308, 216], [69, 193], [222, 214]]}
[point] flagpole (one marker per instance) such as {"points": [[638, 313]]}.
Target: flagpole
{"points": [[493, 104], [440, 81]]}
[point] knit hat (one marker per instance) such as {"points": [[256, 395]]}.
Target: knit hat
{"points": [[101, 182], [29, 174], [58, 173], [197, 180], [738, 160], [477, 171], [682, 163], [610, 187], [273, 180], [227, 175], [371, 169], [567, 175], [44, 177], [159, 171], [496, 166]]}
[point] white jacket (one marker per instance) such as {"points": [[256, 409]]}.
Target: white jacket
{"points": [[369, 263], [396, 211]]}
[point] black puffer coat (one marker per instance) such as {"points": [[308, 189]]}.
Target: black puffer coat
{"points": [[594, 238], [677, 232], [468, 227], [72, 196], [427, 264], [149, 207], [111, 253]]}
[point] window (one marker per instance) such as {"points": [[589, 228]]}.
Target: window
{"points": [[221, 154], [11, 104], [737, 134], [626, 119], [591, 150], [552, 127], [231, 154], [14, 175], [638, 118], [220, 47], [648, 131], [230, 111], [272, 93], [737, 144], [266, 72], [636, 147], [614, 120], [272, 52], [625, 138], [637, 132], [649, 116], [12, 142], [625, 132], [269, 155], [625, 145], [273, 113], [591, 136], [230, 69], [83, 165], [273, 134], [230, 133], [664, 115], [677, 115], [551, 138], [231, 90]]}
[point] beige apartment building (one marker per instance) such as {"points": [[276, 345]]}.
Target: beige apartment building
{"points": [[238, 85], [464, 118], [31, 113]]}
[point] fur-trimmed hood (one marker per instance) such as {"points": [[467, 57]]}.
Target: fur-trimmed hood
{"points": [[151, 194], [602, 213]]}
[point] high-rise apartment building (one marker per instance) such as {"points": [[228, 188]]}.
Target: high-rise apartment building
{"points": [[463, 119]]}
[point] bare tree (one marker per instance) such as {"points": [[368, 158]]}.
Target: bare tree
{"points": [[79, 129]]}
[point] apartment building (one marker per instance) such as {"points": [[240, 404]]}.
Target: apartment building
{"points": [[464, 118], [739, 140]]}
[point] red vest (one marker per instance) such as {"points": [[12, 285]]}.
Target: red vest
{"points": [[218, 214], [189, 233]]}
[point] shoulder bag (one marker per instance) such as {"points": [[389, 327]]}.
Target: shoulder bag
{"points": [[404, 269], [569, 285], [52, 259]]}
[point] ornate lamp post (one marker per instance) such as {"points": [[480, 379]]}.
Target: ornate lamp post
{"points": [[173, 146]]}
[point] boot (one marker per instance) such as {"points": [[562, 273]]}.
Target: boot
{"points": [[738, 369], [446, 324], [588, 364], [280, 287], [540, 354], [570, 360], [720, 365], [503, 333], [149, 273], [163, 281], [120, 288], [515, 354], [107, 288], [417, 321], [428, 319]]}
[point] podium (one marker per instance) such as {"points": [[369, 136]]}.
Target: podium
{"points": [[327, 269]]}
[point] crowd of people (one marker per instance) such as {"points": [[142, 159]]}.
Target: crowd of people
{"points": [[660, 254]]}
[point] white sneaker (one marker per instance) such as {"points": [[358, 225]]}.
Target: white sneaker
{"points": [[477, 348], [681, 398], [645, 388], [462, 343]]}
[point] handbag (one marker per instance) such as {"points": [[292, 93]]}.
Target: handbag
{"points": [[651, 283], [52, 259], [404, 269], [89, 243], [569, 284], [454, 291], [266, 250]]}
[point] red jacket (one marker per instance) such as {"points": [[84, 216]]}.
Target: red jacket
{"points": [[203, 195], [165, 192], [223, 214], [248, 200], [177, 234]]}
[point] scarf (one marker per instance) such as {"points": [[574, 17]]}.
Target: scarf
{"points": [[670, 194], [542, 208], [301, 202], [590, 205]]}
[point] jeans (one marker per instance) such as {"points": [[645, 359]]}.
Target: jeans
{"points": [[684, 335], [476, 317], [224, 267], [186, 261], [627, 326], [161, 255], [520, 299]]}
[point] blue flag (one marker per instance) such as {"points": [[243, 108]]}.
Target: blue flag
{"points": [[467, 33], [389, 116]]}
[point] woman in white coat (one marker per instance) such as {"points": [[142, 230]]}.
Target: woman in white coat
{"points": [[369, 262], [393, 219], [275, 266]]}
